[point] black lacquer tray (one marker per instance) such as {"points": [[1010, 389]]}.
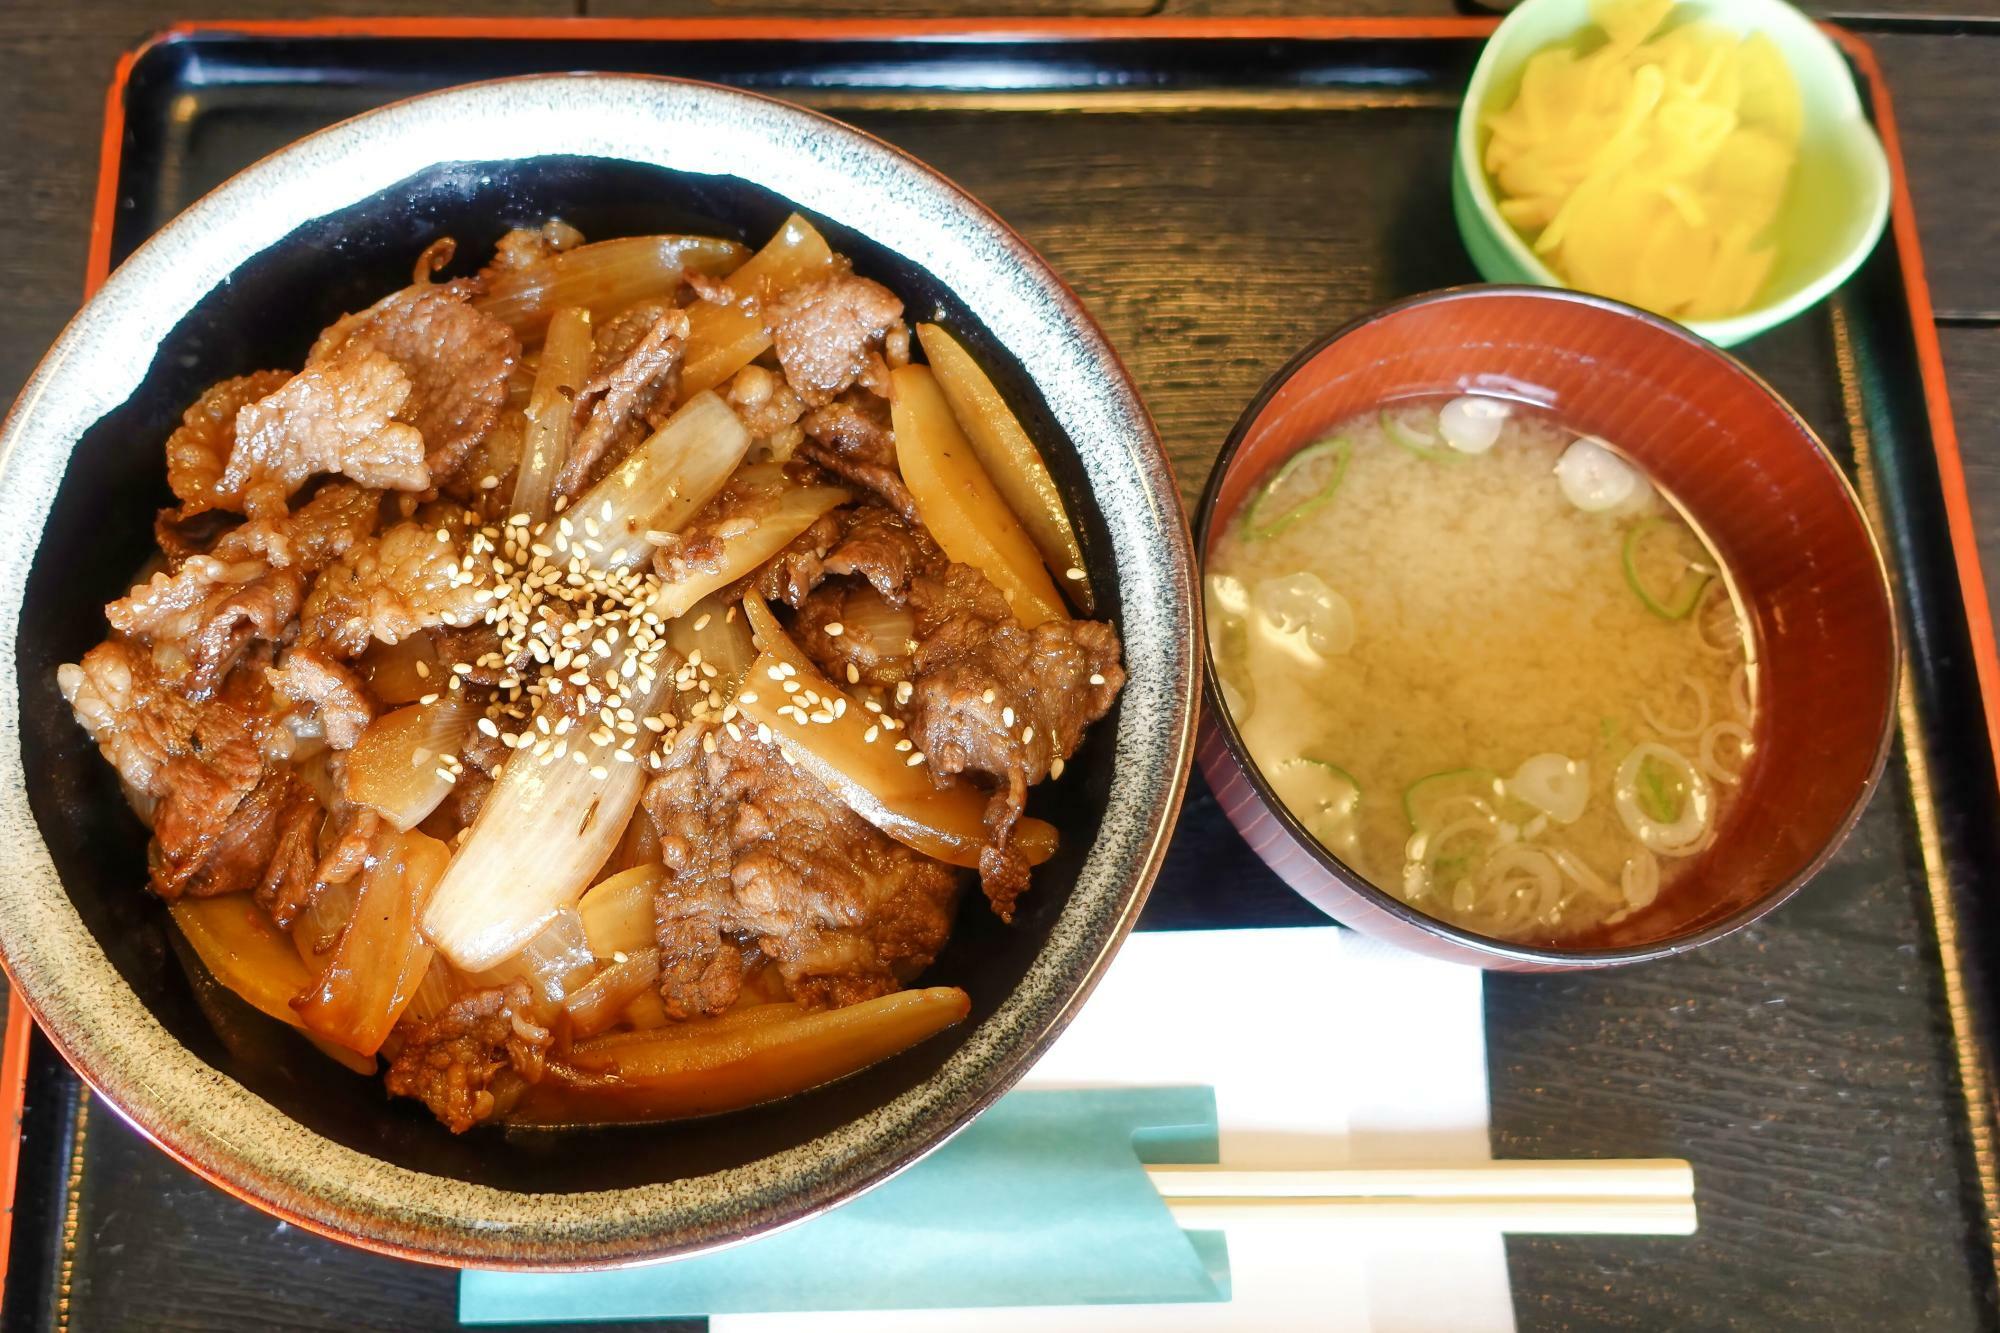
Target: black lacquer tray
{"points": [[1220, 192]]}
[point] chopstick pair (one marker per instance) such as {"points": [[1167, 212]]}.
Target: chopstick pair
{"points": [[1631, 1197]]}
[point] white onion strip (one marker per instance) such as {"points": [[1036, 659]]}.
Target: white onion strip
{"points": [[1681, 733], [1688, 833], [1587, 879], [1739, 690], [1711, 764], [1640, 880]]}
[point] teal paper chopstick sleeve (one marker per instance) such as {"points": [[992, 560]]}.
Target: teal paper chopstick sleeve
{"points": [[1041, 1201]]}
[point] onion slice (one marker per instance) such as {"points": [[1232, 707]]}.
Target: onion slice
{"points": [[1554, 784], [1303, 616], [1685, 832], [1689, 732], [1593, 478], [1711, 763], [1472, 424]]}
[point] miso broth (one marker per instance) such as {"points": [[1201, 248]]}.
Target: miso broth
{"points": [[1487, 663]]}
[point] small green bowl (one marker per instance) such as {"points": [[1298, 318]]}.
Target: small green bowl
{"points": [[1839, 199]]}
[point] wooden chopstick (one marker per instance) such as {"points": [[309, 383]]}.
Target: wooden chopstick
{"points": [[1614, 1197]]}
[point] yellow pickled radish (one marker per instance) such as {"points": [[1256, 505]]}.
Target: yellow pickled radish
{"points": [[1649, 162]]}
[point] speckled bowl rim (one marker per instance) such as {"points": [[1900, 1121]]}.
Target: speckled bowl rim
{"points": [[243, 1143], [1469, 945]]}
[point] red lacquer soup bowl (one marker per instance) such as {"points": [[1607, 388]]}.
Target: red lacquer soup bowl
{"points": [[1753, 477]]}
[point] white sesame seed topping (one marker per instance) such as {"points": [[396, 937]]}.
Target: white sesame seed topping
{"points": [[1073, 574]]}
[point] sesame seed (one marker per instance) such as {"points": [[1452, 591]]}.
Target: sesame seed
{"points": [[486, 726], [1007, 717], [987, 697], [1073, 574], [708, 744], [702, 623], [903, 745], [1056, 767], [903, 691], [764, 733], [428, 700], [1096, 678], [834, 629], [748, 697], [423, 670], [488, 482], [915, 759], [871, 705], [870, 734], [1027, 735], [853, 674], [622, 756]]}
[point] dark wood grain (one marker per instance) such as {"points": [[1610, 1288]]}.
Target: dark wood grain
{"points": [[1972, 364], [1945, 133]]}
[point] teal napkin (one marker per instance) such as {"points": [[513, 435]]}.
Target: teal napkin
{"points": [[1041, 1201]]}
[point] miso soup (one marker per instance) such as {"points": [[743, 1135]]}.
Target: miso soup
{"points": [[1489, 665]]}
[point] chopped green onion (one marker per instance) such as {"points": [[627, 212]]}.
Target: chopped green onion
{"points": [[1428, 799], [1675, 602], [1660, 796], [1256, 526], [1427, 447]]}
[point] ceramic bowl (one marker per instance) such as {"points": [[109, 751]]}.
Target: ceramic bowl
{"points": [[244, 279], [1839, 201], [1754, 478]]}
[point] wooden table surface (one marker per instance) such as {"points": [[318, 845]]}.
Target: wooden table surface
{"points": [[1841, 1196]]}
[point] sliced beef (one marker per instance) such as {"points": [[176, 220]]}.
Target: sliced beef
{"points": [[198, 854], [291, 877], [792, 574], [769, 408], [450, 1063], [855, 426], [388, 587], [201, 619], [992, 698], [218, 808], [457, 358], [335, 695], [886, 548], [828, 335], [763, 861], [629, 393], [329, 525], [339, 414], [198, 451]]}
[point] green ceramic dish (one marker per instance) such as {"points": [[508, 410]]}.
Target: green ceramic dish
{"points": [[1839, 200]]}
